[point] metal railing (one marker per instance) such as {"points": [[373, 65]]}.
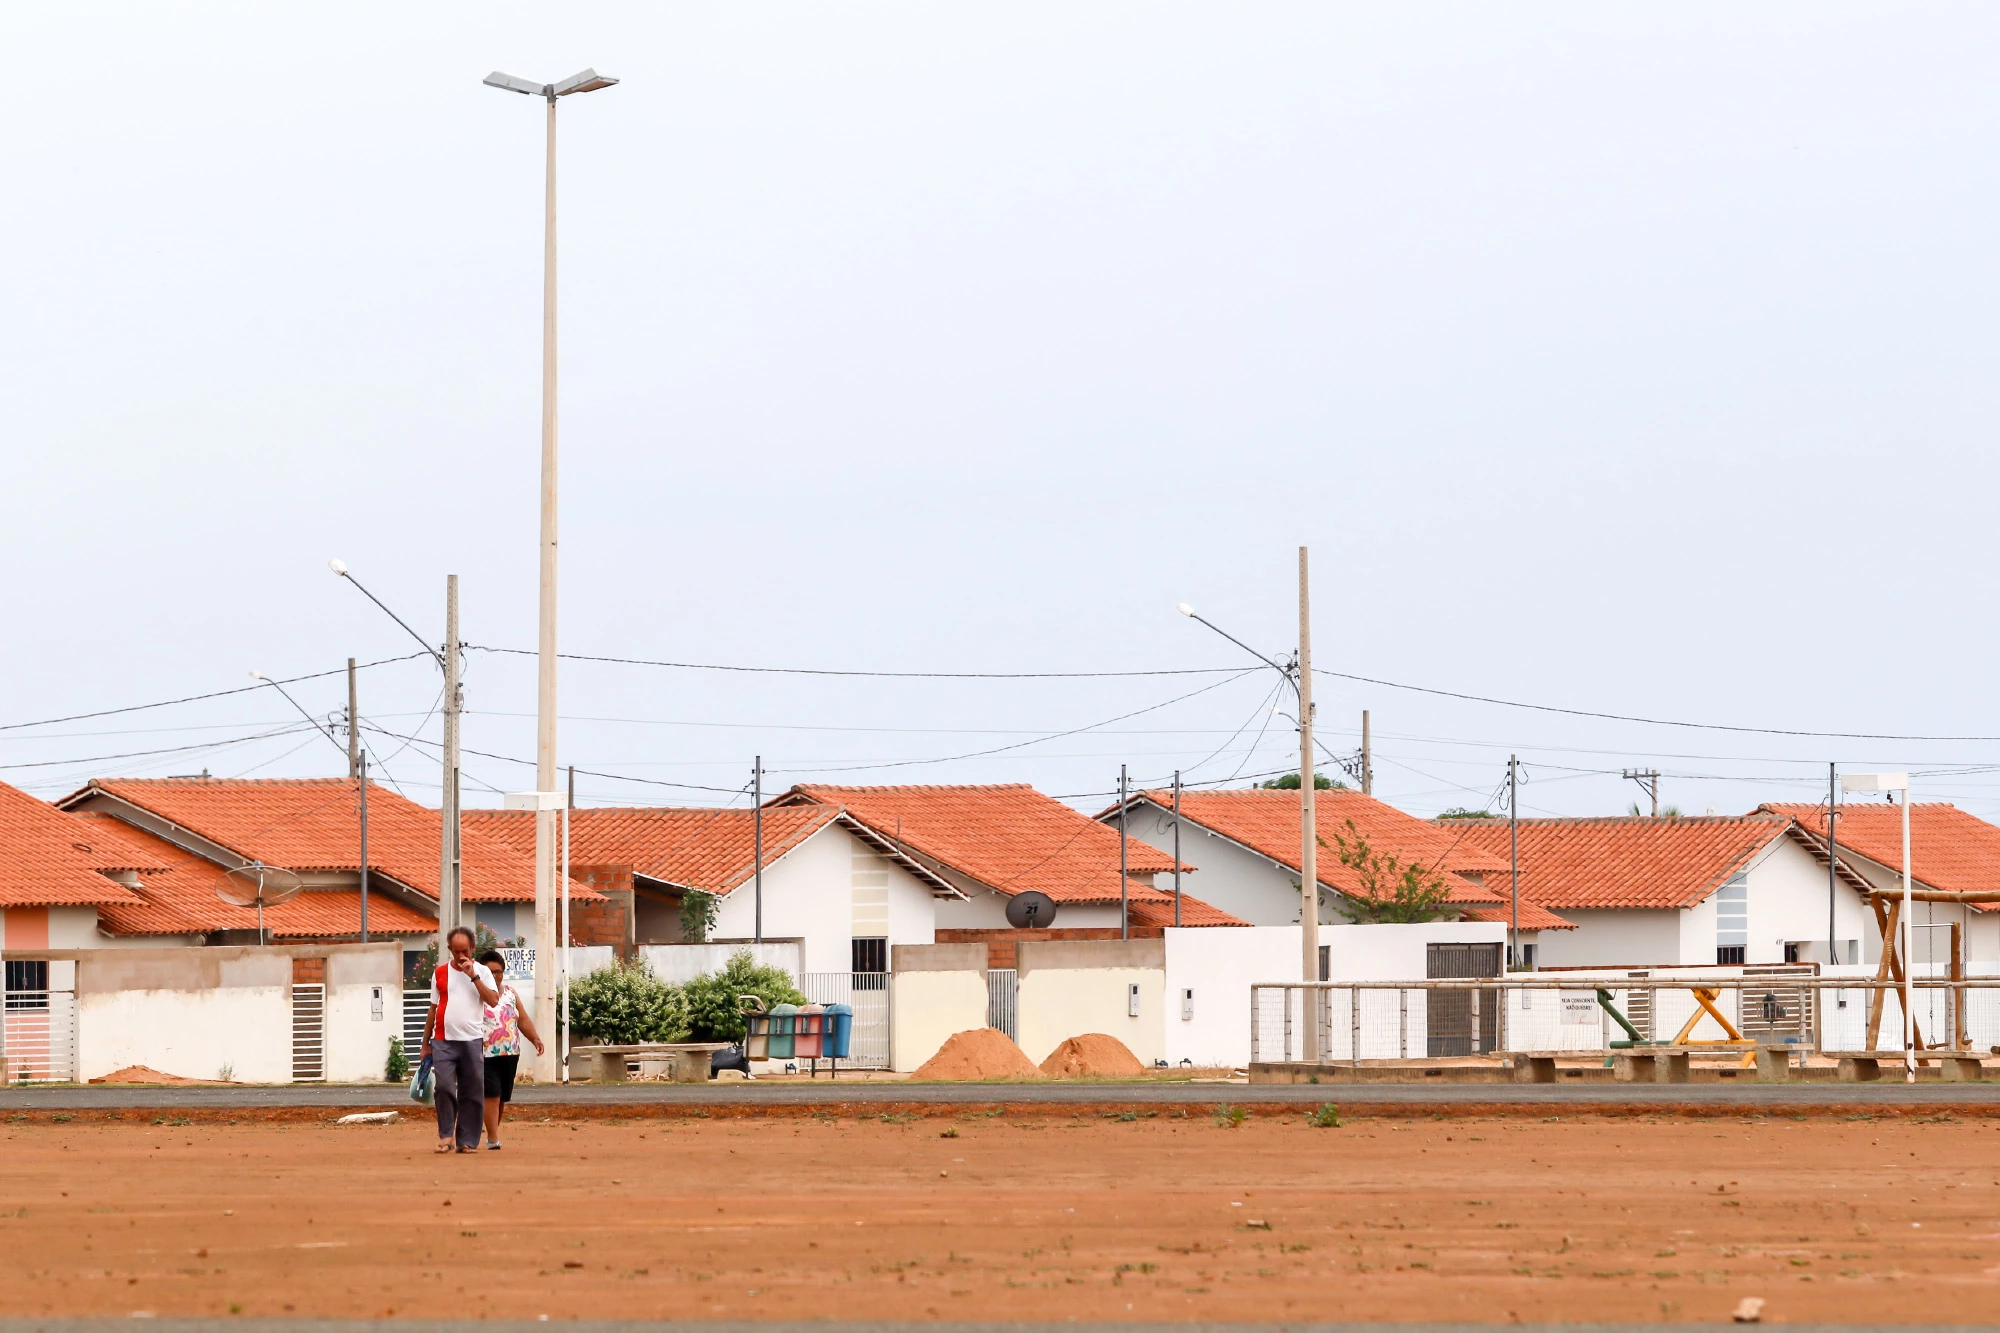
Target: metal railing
{"points": [[1593, 1013], [38, 1036], [308, 1033], [1003, 996], [867, 994]]}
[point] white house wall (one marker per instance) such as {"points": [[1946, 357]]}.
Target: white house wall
{"points": [[1072, 987], [809, 894], [1228, 875], [1616, 937]]}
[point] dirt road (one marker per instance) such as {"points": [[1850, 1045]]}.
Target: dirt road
{"points": [[1016, 1217]]}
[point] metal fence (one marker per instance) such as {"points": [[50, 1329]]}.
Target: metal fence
{"points": [[1003, 994], [867, 994], [416, 1008], [1361, 1021], [308, 1033], [38, 1036]]}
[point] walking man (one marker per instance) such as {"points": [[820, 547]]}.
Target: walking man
{"points": [[455, 1041]]}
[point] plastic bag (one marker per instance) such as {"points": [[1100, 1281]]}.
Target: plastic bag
{"points": [[423, 1083]]}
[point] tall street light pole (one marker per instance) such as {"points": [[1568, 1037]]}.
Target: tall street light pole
{"points": [[1900, 784], [588, 81]]}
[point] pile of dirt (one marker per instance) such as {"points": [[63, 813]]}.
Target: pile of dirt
{"points": [[1093, 1055], [142, 1074], [979, 1053]]}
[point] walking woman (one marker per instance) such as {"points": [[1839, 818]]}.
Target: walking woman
{"points": [[455, 1039], [506, 1021]]}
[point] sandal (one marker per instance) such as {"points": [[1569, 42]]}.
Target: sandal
{"points": [[445, 1145], [493, 1147]]}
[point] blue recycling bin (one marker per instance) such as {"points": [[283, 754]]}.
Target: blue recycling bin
{"points": [[839, 1031]]}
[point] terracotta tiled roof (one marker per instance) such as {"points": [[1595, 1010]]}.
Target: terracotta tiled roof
{"points": [[1267, 822], [701, 848], [1194, 912], [1623, 862], [1008, 838], [1949, 849], [46, 859], [1533, 915], [313, 824], [176, 896]]}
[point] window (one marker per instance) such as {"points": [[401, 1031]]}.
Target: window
{"points": [[871, 955], [1527, 960], [27, 985], [1325, 961], [1732, 920], [1792, 954]]}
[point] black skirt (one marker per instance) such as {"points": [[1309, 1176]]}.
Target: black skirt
{"points": [[500, 1076]]}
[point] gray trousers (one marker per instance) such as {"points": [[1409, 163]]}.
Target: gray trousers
{"points": [[460, 1067]]}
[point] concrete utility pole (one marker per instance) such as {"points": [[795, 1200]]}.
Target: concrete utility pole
{"points": [[449, 895], [1177, 847], [1308, 803], [586, 81], [361, 781], [1832, 858], [1514, 855], [353, 725], [1367, 757], [1124, 876], [1649, 782], [757, 840]]}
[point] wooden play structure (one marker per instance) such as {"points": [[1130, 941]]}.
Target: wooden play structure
{"points": [[1892, 971]]}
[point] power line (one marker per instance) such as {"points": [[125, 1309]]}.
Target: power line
{"points": [[196, 698], [874, 675], [171, 749]]}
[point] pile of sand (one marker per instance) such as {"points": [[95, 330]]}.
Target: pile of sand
{"points": [[979, 1053], [142, 1074], [1093, 1055]]}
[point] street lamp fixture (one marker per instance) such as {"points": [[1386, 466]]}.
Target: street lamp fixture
{"points": [[1900, 783]]}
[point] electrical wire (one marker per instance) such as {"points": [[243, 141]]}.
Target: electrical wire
{"points": [[196, 698], [872, 675], [291, 730]]}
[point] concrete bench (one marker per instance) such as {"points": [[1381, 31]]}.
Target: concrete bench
{"points": [[689, 1061], [1540, 1066], [1866, 1066]]}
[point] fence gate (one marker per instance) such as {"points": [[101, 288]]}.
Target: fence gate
{"points": [[1003, 989], [1462, 1022], [867, 994], [309, 1033], [38, 1036], [416, 1008]]}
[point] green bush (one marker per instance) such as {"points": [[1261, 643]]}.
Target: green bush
{"points": [[398, 1068], [711, 1000], [1327, 1117], [626, 1003]]}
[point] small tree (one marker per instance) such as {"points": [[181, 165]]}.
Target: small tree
{"points": [[1392, 893], [1290, 782], [626, 1003], [698, 909], [1461, 812], [711, 1000]]}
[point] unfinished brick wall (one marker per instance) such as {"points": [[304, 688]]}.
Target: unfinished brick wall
{"points": [[1000, 940], [608, 922], [308, 971]]}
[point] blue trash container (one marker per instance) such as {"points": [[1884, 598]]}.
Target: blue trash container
{"points": [[839, 1031]]}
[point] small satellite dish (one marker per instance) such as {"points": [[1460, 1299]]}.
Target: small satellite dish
{"points": [[1026, 911], [258, 885]]}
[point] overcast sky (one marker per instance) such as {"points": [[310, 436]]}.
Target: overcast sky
{"points": [[1627, 359]]}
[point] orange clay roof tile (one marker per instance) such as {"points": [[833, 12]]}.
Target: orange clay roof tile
{"points": [[710, 848], [1632, 862], [1010, 838], [47, 858], [1949, 849], [1194, 912]]}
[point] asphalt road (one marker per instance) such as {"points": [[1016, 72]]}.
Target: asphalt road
{"points": [[1526, 1097]]}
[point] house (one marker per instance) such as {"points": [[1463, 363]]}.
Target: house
{"points": [[1951, 851], [1248, 846], [829, 881], [183, 833], [992, 843], [1645, 892], [57, 879]]}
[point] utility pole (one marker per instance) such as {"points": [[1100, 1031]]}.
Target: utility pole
{"points": [[1177, 847], [362, 782], [563, 1053], [1832, 858], [757, 839], [1367, 758], [1124, 913], [1514, 853], [1308, 800], [353, 725], [449, 896], [1649, 782]]}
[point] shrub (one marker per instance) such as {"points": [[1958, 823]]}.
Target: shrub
{"points": [[626, 1003], [1327, 1117], [711, 1000], [698, 911], [398, 1068], [1229, 1117]]}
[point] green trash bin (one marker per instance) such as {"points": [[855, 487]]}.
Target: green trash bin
{"points": [[784, 1021]]}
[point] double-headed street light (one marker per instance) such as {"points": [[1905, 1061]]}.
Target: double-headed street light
{"points": [[588, 81]]}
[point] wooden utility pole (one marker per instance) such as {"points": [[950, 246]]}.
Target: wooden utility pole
{"points": [[449, 896], [353, 725], [1367, 757], [1308, 800]]}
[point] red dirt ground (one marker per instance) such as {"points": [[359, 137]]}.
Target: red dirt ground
{"points": [[1020, 1216], [978, 1053], [1093, 1055]]}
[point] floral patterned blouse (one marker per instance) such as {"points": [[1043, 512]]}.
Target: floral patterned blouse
{"points": [[503, 1023]]}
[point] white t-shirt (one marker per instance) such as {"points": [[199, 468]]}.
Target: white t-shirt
{"points": [[464, 1017]]}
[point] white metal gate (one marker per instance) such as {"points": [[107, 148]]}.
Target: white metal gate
{"points": [[309, 1033], [38, 1037], [416, 1008], [867, 994], [1003, 988]]}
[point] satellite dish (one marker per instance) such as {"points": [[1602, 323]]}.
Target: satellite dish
{"points": [[258, 885], [1026, 911]]}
